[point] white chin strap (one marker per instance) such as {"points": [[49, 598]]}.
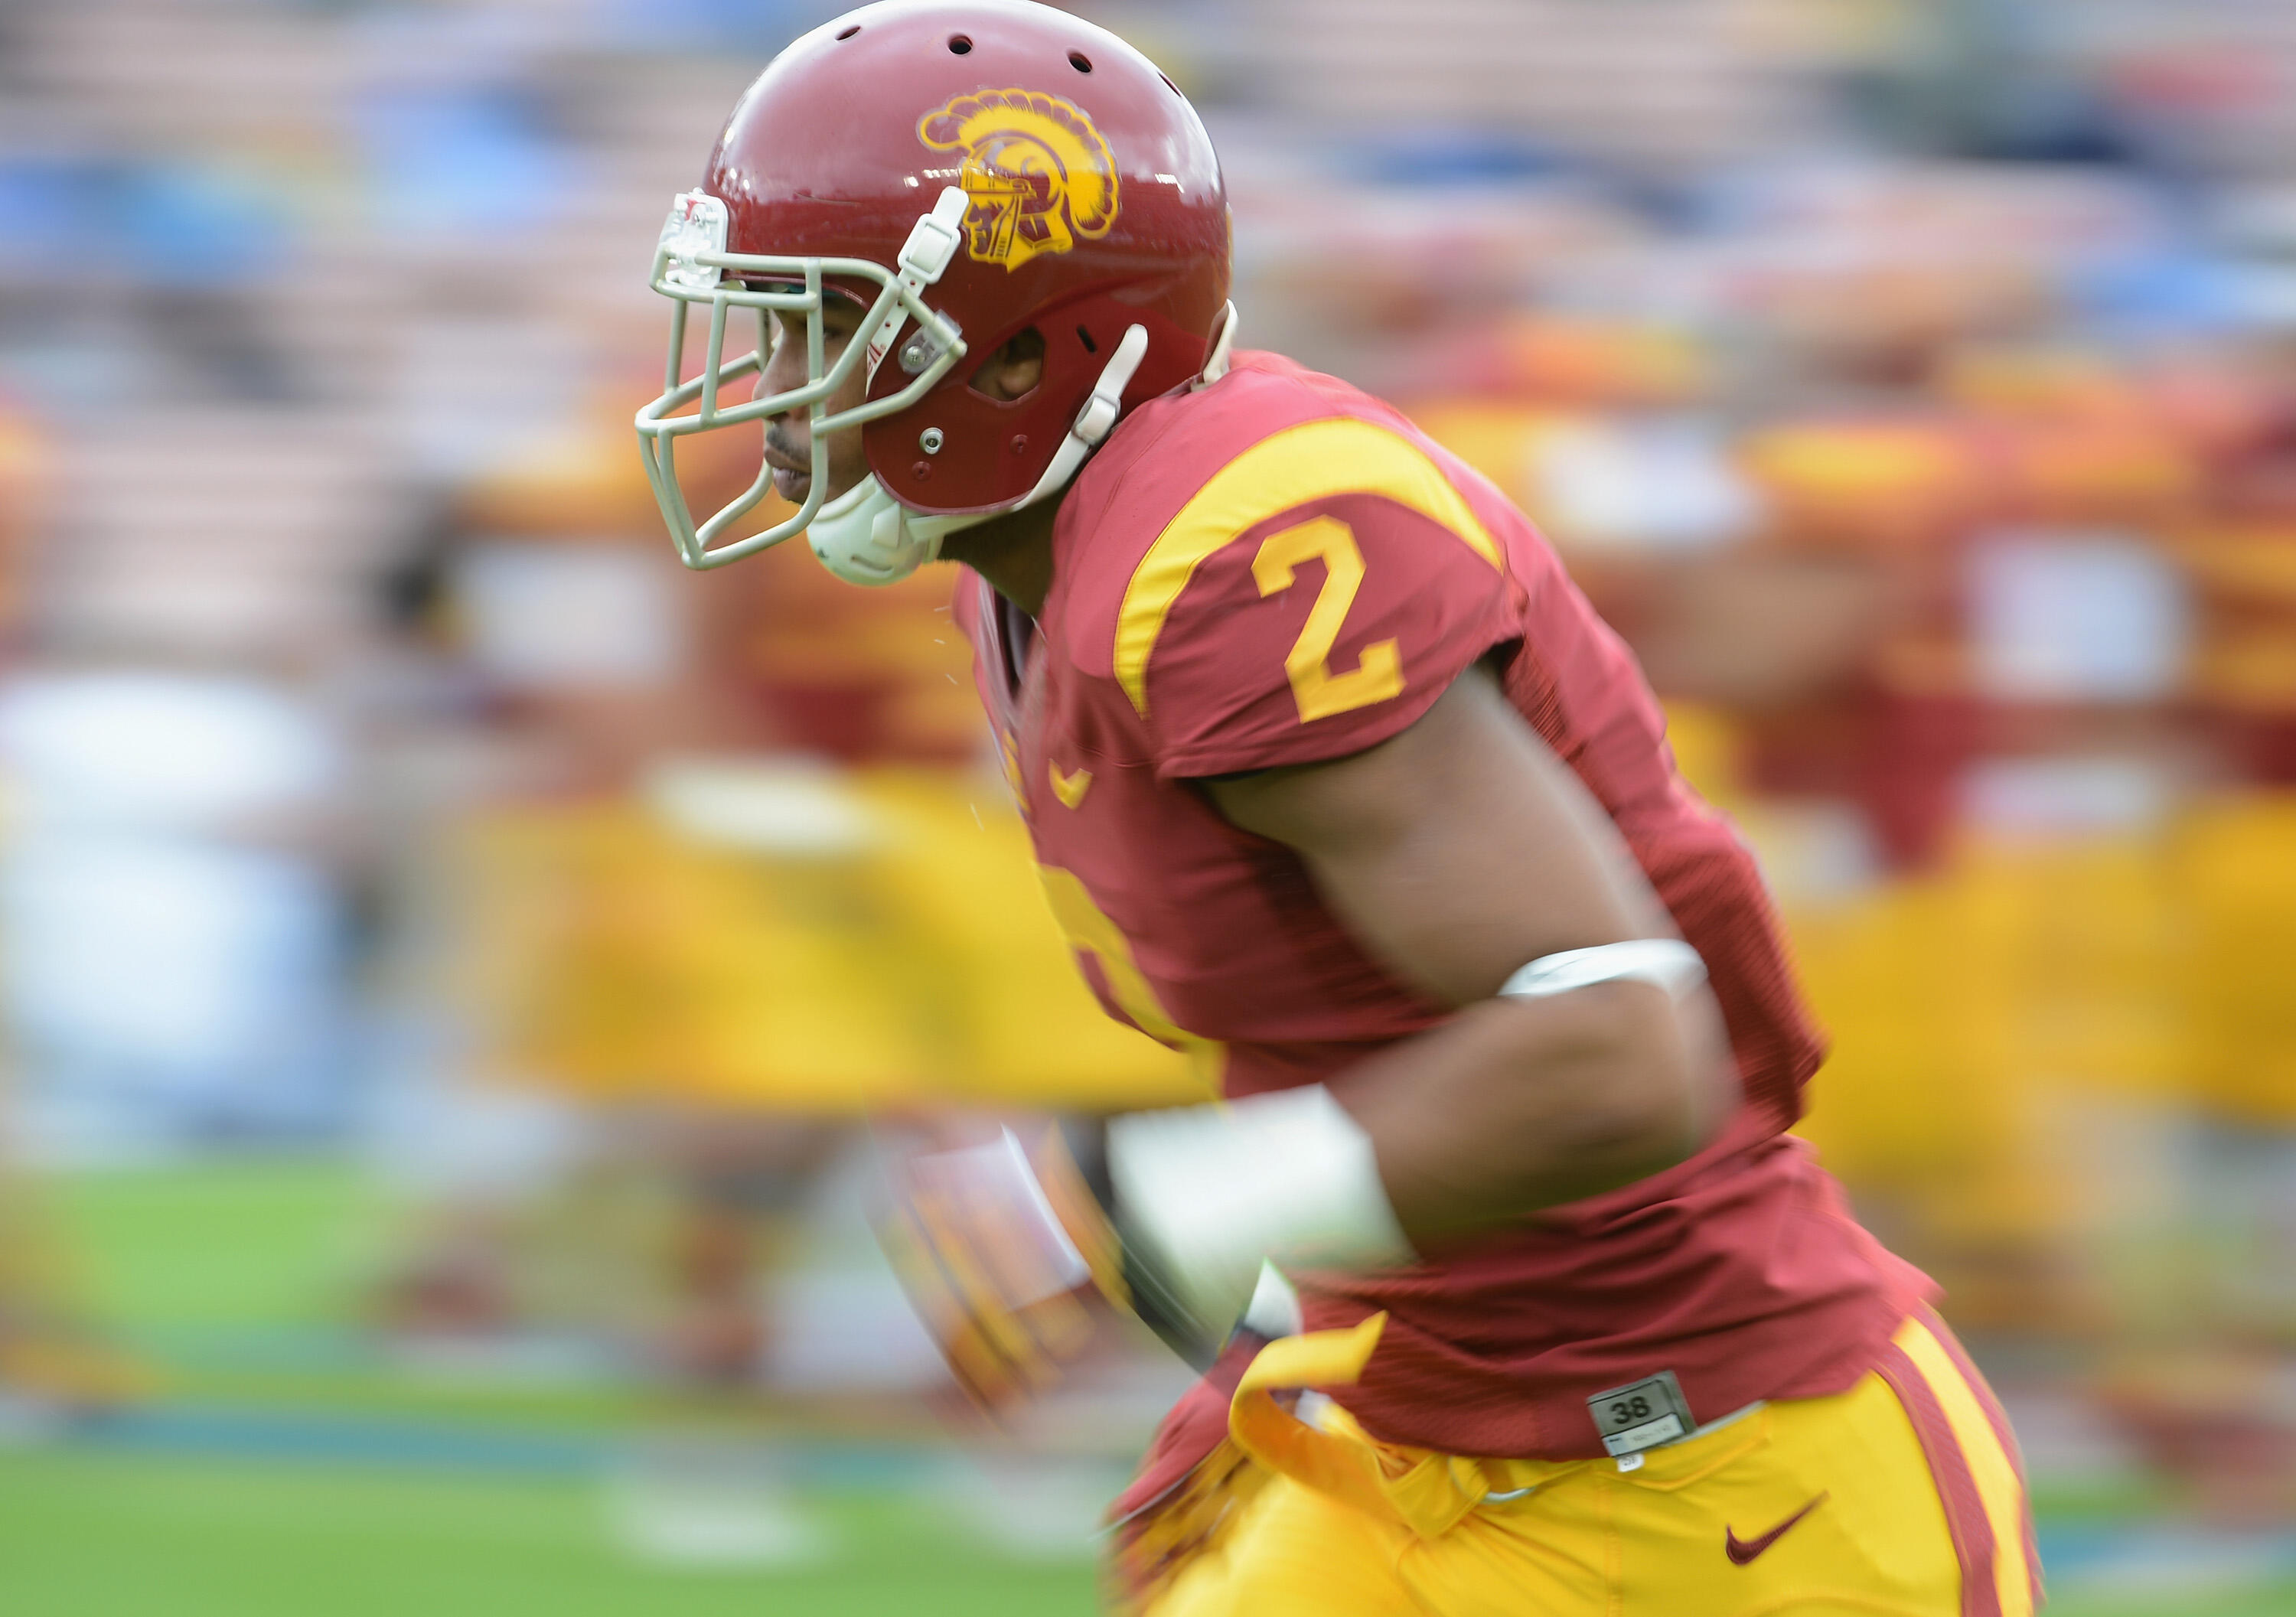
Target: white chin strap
{"points": [[1222, 355], [864, 536]]}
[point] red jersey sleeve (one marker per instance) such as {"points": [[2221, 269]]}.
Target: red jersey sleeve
{"points": [[1318, 631]]}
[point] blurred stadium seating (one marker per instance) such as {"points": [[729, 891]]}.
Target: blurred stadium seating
{"points": [[447, 947]]}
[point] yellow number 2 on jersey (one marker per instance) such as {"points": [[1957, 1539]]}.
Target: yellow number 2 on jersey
{"points": [[1090, 931], [1378, 673]]}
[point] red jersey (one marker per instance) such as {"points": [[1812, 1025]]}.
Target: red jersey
{"points": [[1280, 570]]}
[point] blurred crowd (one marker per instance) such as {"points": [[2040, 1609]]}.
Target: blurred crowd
{"points": [[1913, 383]]}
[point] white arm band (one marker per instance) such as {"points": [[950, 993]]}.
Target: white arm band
{"points": [[1213, 1191], [1668, 962]]}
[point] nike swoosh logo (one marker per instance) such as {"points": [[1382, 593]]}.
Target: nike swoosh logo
{"points": [[1742, 1551], [1070, 788]]}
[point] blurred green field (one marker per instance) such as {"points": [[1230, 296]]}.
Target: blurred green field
{"points": [[237, 1284], [94, 1534], [86, 1534]]}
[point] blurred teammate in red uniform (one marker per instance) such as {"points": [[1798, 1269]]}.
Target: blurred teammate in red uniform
{"points": [[1338, 785]]}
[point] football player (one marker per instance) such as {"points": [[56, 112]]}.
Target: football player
{"points": [[1339, 786]]}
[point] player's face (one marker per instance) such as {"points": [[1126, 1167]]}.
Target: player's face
{"points": [[789, 436]]}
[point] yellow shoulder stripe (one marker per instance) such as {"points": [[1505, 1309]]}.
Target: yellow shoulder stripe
{"points": [[1312, 461]]}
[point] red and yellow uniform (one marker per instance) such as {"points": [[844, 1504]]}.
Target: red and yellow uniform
{"points": [[1278, 569]]}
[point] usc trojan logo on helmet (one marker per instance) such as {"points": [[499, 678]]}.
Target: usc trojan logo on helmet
{"points": [[1037, 172]]}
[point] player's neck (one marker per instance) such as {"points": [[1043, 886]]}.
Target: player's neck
{"points": [[1014, 551]]}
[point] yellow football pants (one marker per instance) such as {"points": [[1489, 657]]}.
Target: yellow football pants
{"points": [[1899, 1498]]}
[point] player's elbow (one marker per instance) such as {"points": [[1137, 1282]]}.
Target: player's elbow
{"points": [[1647, 1098]]}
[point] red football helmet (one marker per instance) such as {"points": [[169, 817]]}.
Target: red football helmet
{"points": [[963, 171]]}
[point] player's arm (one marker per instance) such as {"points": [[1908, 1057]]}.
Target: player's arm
{"points": [[1585, 1053], [1457, 852], [1343, 712]]}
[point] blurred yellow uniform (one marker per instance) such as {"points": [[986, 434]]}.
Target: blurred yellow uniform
{"points": [[612, 952], [1899, 1498]]}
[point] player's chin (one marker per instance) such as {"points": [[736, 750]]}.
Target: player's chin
{"points": [[791, 486]]}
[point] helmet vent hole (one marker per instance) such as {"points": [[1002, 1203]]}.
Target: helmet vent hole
{"points": [[1081, 62], [1169, 84], [849, 33], [1084, 336], [959, 45]]}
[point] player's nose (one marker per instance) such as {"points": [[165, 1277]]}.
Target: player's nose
{"points": [[782, 373]]}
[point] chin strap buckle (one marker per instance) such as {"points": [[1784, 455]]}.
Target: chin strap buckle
{"points": [[1107, 401], [932, 240], [1097, 416], [924, 259]]}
